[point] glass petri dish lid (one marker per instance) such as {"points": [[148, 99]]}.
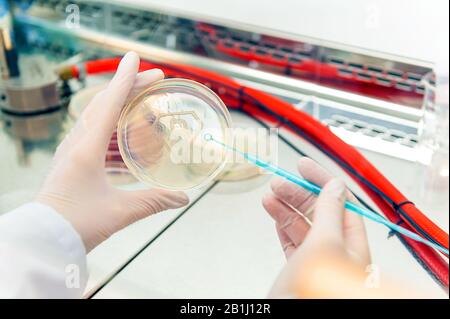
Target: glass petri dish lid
{"points": [[161, 134]]}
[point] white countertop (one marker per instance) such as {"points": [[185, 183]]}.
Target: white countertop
{"points": [[225, 245]]}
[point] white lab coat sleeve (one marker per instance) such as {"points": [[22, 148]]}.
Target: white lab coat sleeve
{"points": [[41, 255]]}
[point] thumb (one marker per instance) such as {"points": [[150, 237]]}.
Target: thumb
{"points": [[102, 114], [141, 204], [329, 211]]}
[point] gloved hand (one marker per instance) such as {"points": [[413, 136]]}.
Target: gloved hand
{"points": [[76, 186], [316, 233]]}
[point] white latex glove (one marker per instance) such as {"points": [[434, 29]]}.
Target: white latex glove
{"points": [[328, 236], [77, 187]]}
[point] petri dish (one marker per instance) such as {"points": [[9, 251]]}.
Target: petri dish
{"points": [[161, 133]]}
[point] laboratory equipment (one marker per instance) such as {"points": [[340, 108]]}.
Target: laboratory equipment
{"points": [[371, 100], [315, 189], [159, 134], [29, 95], [31, 102]]}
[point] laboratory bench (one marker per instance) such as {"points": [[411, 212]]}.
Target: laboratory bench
{"points": [[223, 244]]}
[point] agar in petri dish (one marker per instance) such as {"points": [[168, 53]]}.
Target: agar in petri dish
{"points": [[161, 134]]}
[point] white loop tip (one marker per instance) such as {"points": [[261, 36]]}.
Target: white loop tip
{"points": [[208, 137]]}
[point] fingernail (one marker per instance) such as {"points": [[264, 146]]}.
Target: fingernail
{"points": [[335, 188]]}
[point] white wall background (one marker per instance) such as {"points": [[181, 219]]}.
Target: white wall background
{"points": [[412, 28]]}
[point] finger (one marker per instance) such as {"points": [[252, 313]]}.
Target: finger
{"points": [[101, 115], [329, 212], [288, 246], [293, 195], [288, 221], [141, 204], [313, 172], [316, 174], [354, 229], [143, 80]]}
